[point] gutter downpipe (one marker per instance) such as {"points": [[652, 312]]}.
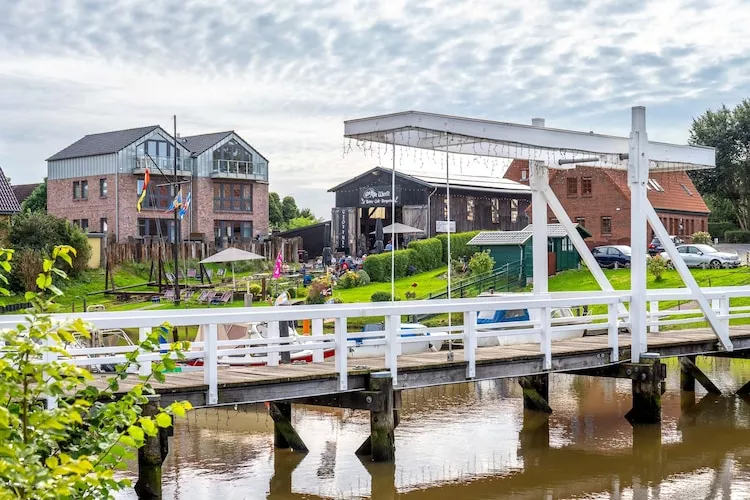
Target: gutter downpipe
{"points": [[429, 196]]}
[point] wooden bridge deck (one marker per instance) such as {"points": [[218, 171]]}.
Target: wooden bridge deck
{"points": [[238, 384]]}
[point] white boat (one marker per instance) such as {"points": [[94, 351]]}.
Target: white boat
{"points": [[503, 321], [365, 349]]}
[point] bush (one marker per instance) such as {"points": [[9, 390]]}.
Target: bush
{"points": [[428, 253], [364, 278], [349, 279], [319, 291], [381, 297], [737, 236], [719, 228], [255, 290], [481, 263], [378, 267], [656, 266], [292, 293], [702, 237], [459, 245]]}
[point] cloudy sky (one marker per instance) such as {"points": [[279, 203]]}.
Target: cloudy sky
{"points": [[285, 75]]}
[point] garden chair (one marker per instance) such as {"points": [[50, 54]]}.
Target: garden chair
{"points": [[209, 297], [187, 294], [168, 294], [220, 273], [192, 273], [225, 298], [170, 278]]}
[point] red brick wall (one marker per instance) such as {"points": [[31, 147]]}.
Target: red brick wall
{"points": [[60, 201]]}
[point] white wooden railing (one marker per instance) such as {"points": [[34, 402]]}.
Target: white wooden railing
{"points": [[606, 318]]}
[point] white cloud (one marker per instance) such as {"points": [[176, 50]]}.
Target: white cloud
{"points": [[285, 75]]}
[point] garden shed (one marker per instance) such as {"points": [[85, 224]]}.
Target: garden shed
{"points": [[514, 247]]}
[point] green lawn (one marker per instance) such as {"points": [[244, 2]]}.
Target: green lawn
{"points": [[431, 282]]}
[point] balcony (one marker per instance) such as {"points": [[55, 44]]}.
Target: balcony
{"points": [[235, 169], [165, 164]]}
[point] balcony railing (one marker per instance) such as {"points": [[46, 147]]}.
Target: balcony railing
{"points": [[163, 163], [237, 169]]}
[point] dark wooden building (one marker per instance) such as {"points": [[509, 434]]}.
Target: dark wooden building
{"points": [[475, 202]]}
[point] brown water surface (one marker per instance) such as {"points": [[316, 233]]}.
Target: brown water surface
{"points": [[473, 441]]}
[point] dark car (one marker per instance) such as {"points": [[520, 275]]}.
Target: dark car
{"points": [[612, 255], [656, 247]]}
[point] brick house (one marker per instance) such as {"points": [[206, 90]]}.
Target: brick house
{"points": [[599, 200], [96, 182], [9, 204]]}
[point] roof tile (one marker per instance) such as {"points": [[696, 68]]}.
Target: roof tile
{"points": [[102, 144], [8, 201]]}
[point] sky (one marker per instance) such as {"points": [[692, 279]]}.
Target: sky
{"points": [[285, 75]]}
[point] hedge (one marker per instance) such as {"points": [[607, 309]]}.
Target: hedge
{"points": [[379, 266], [459, 245], [737, 236], [717, 229], [429, 253]]}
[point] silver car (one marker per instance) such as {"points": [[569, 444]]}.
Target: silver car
{"points": [[700, 255]]}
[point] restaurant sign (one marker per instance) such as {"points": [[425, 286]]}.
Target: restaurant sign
{"points": [[377, 196]]}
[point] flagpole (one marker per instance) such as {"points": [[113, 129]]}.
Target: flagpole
{"points": [[175, 244]]}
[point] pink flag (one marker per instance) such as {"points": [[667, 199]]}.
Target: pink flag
{"points": [[277, 268]]}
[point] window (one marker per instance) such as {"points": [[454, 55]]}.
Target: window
{"points": [[103, 188], [513, 210], [81, 190], [156, 148], [585, 186], [82, 223], [703, 225], [495, 209], [157, 228], [606, 225], [233, 197], [469, 208], [572, 186], [524, 175], [581, 221], [681, 227], [157, 197], [103, 224], [553, 220], [233, 230]]}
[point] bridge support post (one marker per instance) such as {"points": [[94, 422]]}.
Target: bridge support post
{"points": [[284, 434], [383, 419], [536, 392], [151, 456], [647, 390], [689, 373]]}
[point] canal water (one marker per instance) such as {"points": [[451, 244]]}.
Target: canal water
{"points": [[473, 441]]}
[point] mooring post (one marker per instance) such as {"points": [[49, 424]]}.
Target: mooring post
{"points": [[284, 434], [687, 379], [382, 424], [646, 381], [150, 457], [536, 392]]}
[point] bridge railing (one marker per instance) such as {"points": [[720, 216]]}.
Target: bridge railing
{"points": [[548, 320]]}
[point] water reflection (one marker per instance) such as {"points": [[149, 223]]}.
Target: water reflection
{"points": [[473, 441]]}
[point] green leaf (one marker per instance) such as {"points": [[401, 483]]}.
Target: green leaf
{"points": [[136, 432], [148, 425], [51, 462], [41, 282], [47, 265], [52, 288], [127, 441], [163, 420]]}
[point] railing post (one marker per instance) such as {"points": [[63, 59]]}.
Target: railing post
{"points": [[211, 365], [273, 333], [144, 367], [546, 344], [50, 357], [613, 330], [317, 330], [654, 310], [724, 311], [392, 345], [342, 352], [470, 343]]}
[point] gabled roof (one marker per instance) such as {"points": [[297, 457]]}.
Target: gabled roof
{"points": [[8, 202], [671, 191], [380, 170], [501, 238], [197, 144], [102, 144], [557, 230], [23, 191]]}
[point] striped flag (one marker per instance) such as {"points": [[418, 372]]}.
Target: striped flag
{"points": [[176, 203], [146, 179], [277, 267], [186, 205]]}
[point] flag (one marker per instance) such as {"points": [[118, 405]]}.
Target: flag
{"points": [[186, 205], [283, 298], [146, 179], [176, 203], [277, 267]]}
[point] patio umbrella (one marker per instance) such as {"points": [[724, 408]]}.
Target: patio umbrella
{"points": [[232, 255], [399, 228]]}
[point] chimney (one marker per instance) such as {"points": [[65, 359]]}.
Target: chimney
{"points": [[537, 122]]}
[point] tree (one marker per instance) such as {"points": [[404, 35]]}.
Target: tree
{"points": [[71, 448], [37, 200], [299, 222], [306, 213], [275, 213], [289, 208], [727, 130]]}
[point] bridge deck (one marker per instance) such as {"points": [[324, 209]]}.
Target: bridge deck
{"points": [[259, 384]]}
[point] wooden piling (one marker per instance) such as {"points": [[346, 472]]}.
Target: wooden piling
{"points": [[688, 365], [150, 457], [687, 380], [536, 392], [382, 423], [284, 434], [646, 387]]}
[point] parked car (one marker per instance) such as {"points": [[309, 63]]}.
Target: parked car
{"points": [[705, 256], [612, 255], [656, 247]]}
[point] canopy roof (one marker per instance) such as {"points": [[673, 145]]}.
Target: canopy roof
{"points": [[399, 228], [231, 255], [511, 140]]}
